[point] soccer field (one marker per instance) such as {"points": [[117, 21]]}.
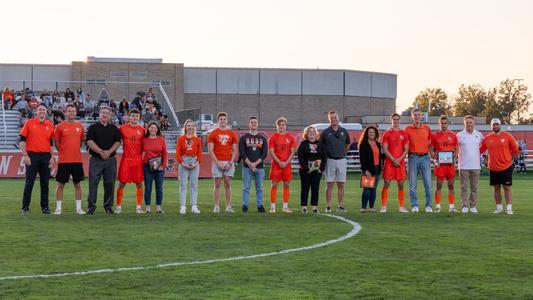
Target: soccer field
{"points": [[393, 256]]}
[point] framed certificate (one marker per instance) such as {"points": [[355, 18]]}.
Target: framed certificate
{"points": [[445, 157], [368, 183]]}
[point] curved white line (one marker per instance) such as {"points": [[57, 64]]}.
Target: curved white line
{"points": [[355, 230]]}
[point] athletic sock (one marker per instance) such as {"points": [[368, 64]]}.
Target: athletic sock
{"points": [[438, 198], [273, 194], [401, 198], [286, 194], [509, 206], [139, 197], [451, 198], [78, 204], [120, 196], [499, 206], [58, 204], [285, 205], [384, 196]]}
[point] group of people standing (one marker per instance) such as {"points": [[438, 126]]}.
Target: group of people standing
{"points": [[442, 149], [145, 156]]}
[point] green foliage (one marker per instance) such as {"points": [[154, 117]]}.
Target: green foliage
{"points": [[438, 99]]}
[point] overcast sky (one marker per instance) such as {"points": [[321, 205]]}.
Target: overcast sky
{"points": [[427, 43]]}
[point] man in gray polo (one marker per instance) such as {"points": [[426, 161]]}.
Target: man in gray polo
{"points": [[336, 141]]}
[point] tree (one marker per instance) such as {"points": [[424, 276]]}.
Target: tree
{"points": [[513, 102], [471, 100], [438, 99]]}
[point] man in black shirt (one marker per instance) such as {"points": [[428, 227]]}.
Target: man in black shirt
{"points": [[336, 140], [103, 139], [253, 148]]}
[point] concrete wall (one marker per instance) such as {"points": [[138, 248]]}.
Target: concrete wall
{"points": [[37, 77]]}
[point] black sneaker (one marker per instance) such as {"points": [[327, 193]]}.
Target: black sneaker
{"points": [[46, 211], [25, 212], [109, 211], [245, 209], [261, 209], [90, 211], [315, 210]]}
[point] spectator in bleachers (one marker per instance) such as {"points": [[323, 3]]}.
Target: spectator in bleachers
{"points": [[123, 106], [58, 104], [33, 102], [80, 93], [150, 93], [55, 95], [89, 107], [8, 99], [113, 105], [165, 126], [28, 93], [137, 102], [69, 94], [80, 107], [46, 99]]}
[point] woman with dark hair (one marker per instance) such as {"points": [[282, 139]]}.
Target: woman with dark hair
{"points": [[370, 155], [155, 162]]}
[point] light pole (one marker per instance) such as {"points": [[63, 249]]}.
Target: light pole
{"points": [[510, 95]]}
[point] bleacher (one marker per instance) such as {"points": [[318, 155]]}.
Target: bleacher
{"points": [[9, 126]]}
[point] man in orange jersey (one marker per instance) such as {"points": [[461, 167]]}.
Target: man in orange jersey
{"points": [[68, 137], [131, 165], [445, 144], [35, 145], [420, 156], [502, 148], [222, 145], [395, 147], [281, 147]]}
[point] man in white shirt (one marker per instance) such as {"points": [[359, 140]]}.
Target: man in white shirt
{"points": [[469, 164]]}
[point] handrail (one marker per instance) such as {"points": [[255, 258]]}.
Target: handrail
{"points": [[4, 121], [170, 107]]}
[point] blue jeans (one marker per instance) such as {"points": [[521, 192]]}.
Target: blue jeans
{"points": [[149, 177], [258, 176], [422, 165], [369, 195]]}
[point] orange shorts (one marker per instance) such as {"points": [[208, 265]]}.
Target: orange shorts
{"points": [[278, 174], [131, 170], [445, 172], [391, 172]]}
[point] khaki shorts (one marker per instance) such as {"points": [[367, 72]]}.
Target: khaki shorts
{"points": [[336, 170], [217, 173]]}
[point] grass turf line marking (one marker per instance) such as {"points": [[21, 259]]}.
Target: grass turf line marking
{"points": [[355, 230]]}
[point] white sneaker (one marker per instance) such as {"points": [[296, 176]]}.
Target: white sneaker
{"points": [[383, 209], [216, 209], [229, 210], [437, 208], [80, 211], [429, 209], [139, 210], [509, 211], [118, 210], [57, 211], [183, 210], [403, 210], [195, 210], [453, 210], [473, 210], [414, 209], [272, 210], [464, 210], [498, 210], [327, 210]]}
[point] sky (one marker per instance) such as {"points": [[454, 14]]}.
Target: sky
{"points": [[426, 43]]}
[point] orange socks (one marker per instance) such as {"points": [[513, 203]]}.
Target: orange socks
{"points": [[401, 198], [451, 197], [438, 198], [139, 195], [120, 196], [273, 194], [286, 194], [384, 196]]}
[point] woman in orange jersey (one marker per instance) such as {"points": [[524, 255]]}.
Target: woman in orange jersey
{"points": [[189, 156]]}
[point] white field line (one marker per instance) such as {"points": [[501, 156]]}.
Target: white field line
{"points": [[355, 230]]}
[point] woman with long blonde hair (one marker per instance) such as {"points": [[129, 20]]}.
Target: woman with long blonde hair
{"points": [[189, 156]]}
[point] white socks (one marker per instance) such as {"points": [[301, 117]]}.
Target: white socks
{"points": [[78, 204], [509, 206], [273, 205], [285, 205], [58, 204], [499, 207]]}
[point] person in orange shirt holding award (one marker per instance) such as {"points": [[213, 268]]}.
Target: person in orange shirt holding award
{"points": [[445, 144], [502, 148]]}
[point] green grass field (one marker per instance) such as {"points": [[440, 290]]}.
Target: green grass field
{"points": [[394, 256]]}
